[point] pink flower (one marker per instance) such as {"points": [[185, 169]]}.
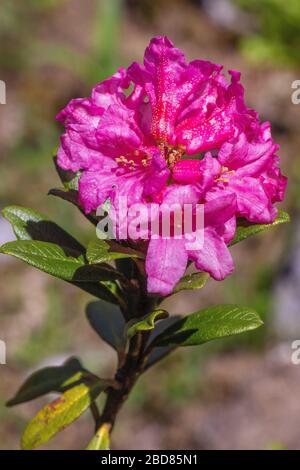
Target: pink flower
{"points": [[132, 136], [167, 258], [245, 166]]}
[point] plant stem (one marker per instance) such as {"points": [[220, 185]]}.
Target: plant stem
{"points": [[96, 415], [129, 369], [126, 376]]}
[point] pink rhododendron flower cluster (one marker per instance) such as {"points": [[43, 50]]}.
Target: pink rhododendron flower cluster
{"points": [[170, 131]]}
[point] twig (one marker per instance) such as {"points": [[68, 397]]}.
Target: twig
{"points": [[126, 376], [96, 415]]}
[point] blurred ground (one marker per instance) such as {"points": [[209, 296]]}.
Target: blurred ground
{"points": [[239, 393]]}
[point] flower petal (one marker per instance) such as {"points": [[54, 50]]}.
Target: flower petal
{"points": [[220, 206], [249, 146], [181, 194], [165, 264], [202, 172], [95, 187], [157, 176], [252, 201], [111, 91], [80, 114], [214, 258], [164, 65], [215, 118], [75, 155], [118, 134], [274, 182]]}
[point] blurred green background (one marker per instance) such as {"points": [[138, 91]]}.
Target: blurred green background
{"points": [[55, 50]]}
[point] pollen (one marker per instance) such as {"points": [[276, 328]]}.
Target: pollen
{"points": [[121, 159], [222, 180], [224, 169], [134, 161], [173, 154]]}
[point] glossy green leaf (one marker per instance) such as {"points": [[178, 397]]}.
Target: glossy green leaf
{"points": [[31, 225], [145, 323], [61, 412], [67, 264], [108, 322], [101, 439], [191, 282], [246, 229], [50, 379], [212, 323], [59, 261], [98, 251]]}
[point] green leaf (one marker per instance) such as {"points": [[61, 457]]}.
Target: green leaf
{"points": [[246, 229], [61, 412], [108, 322], [69, 265], [31, 225], [212, 323], [114, 292], [192, 281], [50, 379], [101, 439], [67, 177], [106, 290], [60, 261], [98, 251], [145, 323]]}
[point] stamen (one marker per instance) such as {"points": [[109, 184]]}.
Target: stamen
{"points": [[174, 154], [121, 159], [222, 180], [135, 163]]}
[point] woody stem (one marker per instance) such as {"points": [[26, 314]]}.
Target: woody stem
{"points": [[126, 376]]}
